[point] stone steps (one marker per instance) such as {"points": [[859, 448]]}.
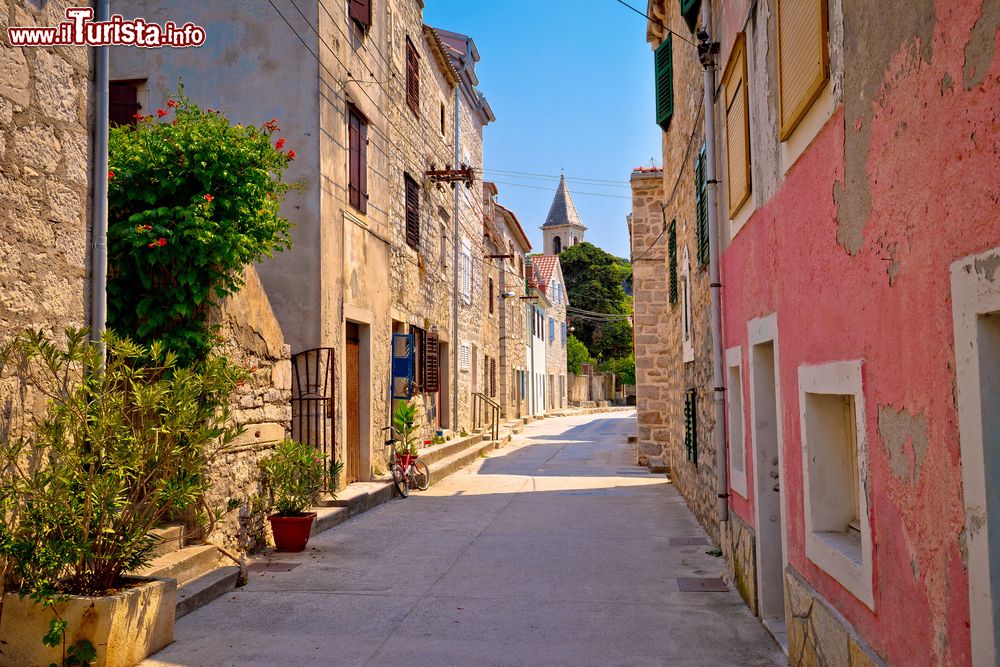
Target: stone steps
{"points": [[202, 590], [169, 538], [355, 499], [436, 453], [183, 564], [447, 466]]}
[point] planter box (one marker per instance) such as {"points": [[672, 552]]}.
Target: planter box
{"points": [[124, 628]]}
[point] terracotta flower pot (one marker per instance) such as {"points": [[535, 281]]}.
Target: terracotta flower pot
{"points": [[291, 532]]}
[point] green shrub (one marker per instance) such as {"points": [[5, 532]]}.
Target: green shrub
{"points": [[193, 200], [404, 422], [292, 477], [115, 454]]}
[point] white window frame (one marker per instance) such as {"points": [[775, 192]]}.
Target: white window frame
{"points": [[974, 294], [466, 272], [687, 325], [465, 357], [851, 567], [736, 421]]}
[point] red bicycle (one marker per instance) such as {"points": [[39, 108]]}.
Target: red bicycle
{"points": [[407, 469]]}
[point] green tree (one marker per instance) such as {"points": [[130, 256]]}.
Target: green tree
{"points": [[595, 281], [193, 200], [612, 340], [576, 354], [623, 368]]}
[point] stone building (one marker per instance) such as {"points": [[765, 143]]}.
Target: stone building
{"points": [[372, 100], [549, 281], [857, 246], [45, 144], [562, 227], [513, 325]]}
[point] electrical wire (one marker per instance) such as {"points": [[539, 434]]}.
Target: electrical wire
{"points": [[539, 187], [578, 179], [658, 22]]}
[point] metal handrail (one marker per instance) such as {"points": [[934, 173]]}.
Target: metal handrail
{"points": [[485, 404]]}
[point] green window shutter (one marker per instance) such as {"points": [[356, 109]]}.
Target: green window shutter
{"points": [[690, 9], [672, 260], [663, 63], [701, 208], [691, 424]]}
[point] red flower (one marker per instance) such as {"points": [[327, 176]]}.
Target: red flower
{"points": [[161, 242], [138, 116], [147, 228], [152, 245], [111, 175], [280, 143], [209, 197], [272, 125], [291, 155], [171, 104], [161, 113]]}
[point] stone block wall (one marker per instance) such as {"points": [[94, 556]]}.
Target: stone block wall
{"points": [[253, 340], [739, 547]]}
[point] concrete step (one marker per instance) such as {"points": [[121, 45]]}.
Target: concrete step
{"points": [[450, 448], [168, 538], [184, 564], [456, 462], [362, 496], [202, 590]]}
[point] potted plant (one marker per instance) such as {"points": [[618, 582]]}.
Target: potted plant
{"points": [[120, 443], [292, 477]]}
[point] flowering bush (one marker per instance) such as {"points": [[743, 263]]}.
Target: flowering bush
{"points": [[192, 201]]}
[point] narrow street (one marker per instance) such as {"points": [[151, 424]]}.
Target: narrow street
{"points": [[555, 550]]}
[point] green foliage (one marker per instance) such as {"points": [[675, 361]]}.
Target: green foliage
{"points": [[114, 454], [292, 477], [595, 281], [438, 440], [623, 369], [192, 201], [404, 422], [612, 340], [576, 354]]}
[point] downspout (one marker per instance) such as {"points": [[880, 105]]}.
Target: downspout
{"points": [[456, 245], [707, 51], [99, 205]]}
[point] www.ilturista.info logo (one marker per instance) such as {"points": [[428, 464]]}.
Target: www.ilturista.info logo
{"points": [[79, 29]]}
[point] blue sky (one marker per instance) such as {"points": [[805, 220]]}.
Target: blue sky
{"points": [[571, 84]]}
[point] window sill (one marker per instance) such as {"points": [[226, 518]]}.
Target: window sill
{"points": [[842, 556]]}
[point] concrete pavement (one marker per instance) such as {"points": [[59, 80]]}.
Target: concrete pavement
{"points": [[553, 551]]}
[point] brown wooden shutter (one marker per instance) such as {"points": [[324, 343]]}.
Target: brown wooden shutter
{"points": [[123, 102], [357, 131], [734, 86], [432, 361], [412, 77], [803, 58], [491, 296], [493, 377], [412, 212], [361, 11]]}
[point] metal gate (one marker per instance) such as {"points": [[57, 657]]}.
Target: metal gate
{"points": [[314, 393]]}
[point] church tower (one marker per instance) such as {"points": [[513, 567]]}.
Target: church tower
{"points": [[562, 227]]}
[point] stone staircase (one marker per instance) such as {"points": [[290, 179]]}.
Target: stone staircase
{"points": [[201, 571], [451, 456]]}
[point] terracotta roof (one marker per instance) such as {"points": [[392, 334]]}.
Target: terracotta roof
{"points": [[647, 170], [543, 266], [518, 230], [563, 210]]}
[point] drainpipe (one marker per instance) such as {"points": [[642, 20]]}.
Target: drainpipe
{"points": [[707, 52], [99, 205], [456, 245]]}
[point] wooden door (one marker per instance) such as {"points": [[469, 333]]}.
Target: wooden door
{"points": [[352, 377]]}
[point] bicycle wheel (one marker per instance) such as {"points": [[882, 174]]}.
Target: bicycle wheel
{"points": [[402, 485], [421, 475]]}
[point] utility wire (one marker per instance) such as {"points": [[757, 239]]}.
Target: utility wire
{"points": [[539, 187], [658, 22], [578, 179]]}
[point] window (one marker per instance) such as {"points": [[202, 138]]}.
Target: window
{"points": [[552, 330], [360, 11], [443, 258], [123, 101], [412, 212], [357, 131], [402, 366], [734, 421], [690, 9], [493, 377], [691, 425], [465, 357], [442, 119], [803, 59], [734, 86], [491, 296], [419, 337], [432, 363], [557, 245], [663, 65], [838, 537], [701, 208], [564, 334], [466, 272], [672, 260], [412, 77]]}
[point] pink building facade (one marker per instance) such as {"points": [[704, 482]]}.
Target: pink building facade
{"points": [[860, 271]]}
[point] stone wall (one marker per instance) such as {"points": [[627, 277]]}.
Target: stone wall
{"points": [[739, 549], [817, 633], [555, 347], [44, 184], [252, 340]]}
